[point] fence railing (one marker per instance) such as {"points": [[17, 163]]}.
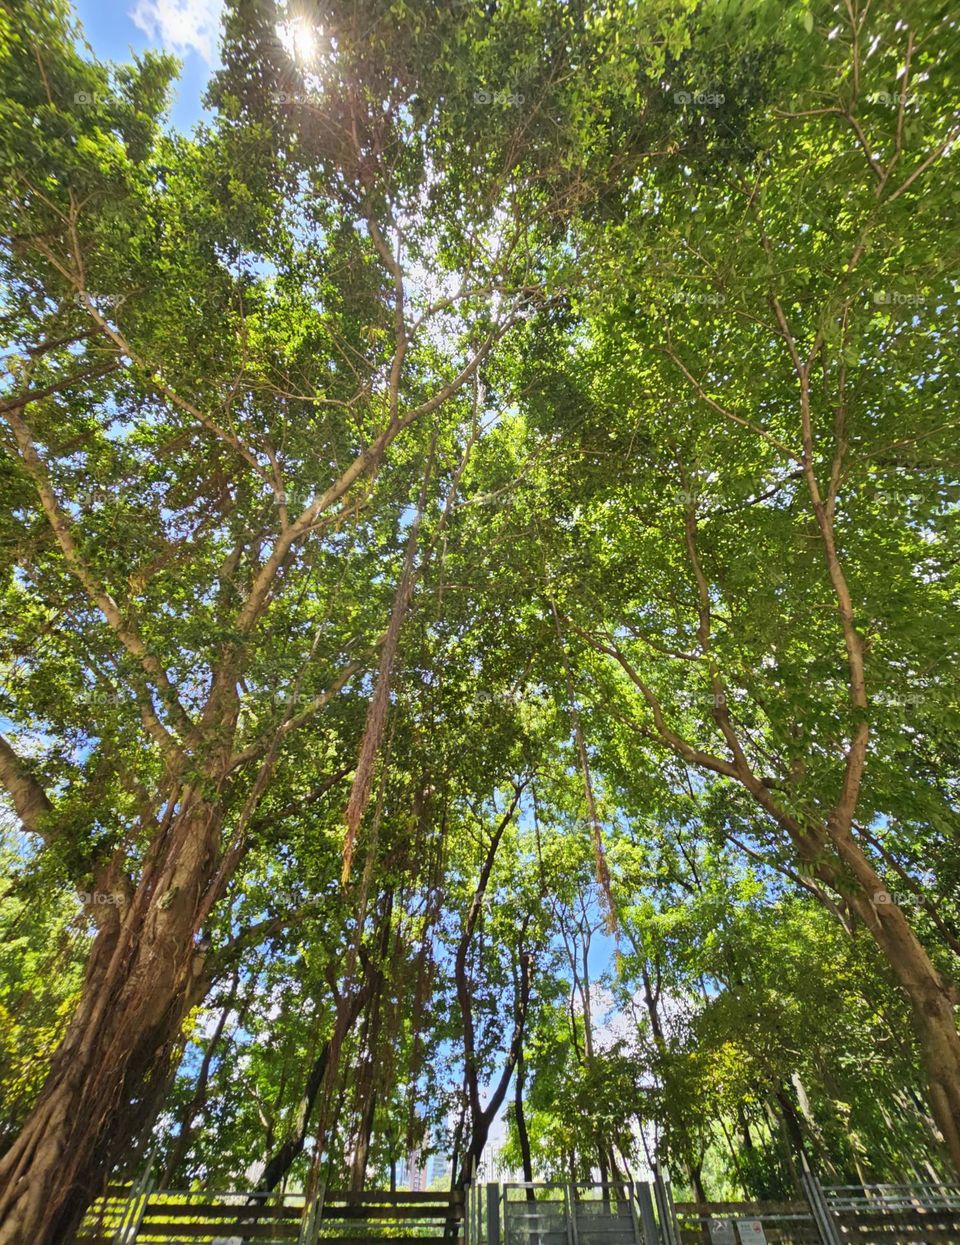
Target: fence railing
{"points": [[141, 1216], [517, 1213], [645, 1213]]}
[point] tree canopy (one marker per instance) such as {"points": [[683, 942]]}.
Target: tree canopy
{"points": [[479, 589]]}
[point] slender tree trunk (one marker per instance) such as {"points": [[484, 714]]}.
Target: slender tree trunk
{"points": [[932, 1005], [696, 1179], [745, 1129], [482, 1117], [292, 1147], [604, 1173], [931, 997], [521, 1122], [791, 1121], [455, 1150], [700, 1193], [358, 1171], [830, 847], [781, 1136], [199, 1097]]}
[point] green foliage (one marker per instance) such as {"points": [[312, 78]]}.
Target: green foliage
{"points": [[544, 273]]}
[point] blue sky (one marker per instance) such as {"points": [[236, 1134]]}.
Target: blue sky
{"points": [[188, 28]]}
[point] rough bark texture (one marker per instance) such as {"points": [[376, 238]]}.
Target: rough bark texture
{"points": [[145, 972]]}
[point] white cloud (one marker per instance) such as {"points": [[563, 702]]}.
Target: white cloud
{"points": [[181, 25]]}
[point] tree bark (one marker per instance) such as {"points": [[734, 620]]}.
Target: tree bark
{"points": [[521, 1122], [482, 1117], [932, 999], [358, 1168], [144, 974]]}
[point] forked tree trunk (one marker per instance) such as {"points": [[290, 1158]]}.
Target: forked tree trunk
{"points": [[144, 974]]}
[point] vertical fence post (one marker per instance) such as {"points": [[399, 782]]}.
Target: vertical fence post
{"points": [[136, 1206], [306, 1223], [822, 1215], [493, 1213], [648, 1222], [669, 1227], [310, 1223]]}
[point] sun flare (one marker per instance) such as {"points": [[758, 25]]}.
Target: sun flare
{"points": [[301, 39]]}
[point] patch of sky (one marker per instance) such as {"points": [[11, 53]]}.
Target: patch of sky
{"points": [[188, 28]]}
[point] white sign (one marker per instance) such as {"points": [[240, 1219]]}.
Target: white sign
{"points": [[721, 1232], [751, 1232]]}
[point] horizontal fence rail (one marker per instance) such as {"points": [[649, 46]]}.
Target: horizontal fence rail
{"points": [[517, 1213], [784, 1223], [142, 1217], [896, 1214]]}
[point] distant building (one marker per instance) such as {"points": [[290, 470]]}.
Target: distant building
{"points": [[413, 1174]]}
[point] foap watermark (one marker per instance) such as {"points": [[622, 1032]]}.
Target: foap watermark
{"points": [[293, 898], [96, 697], [289, 700], [901, 700], [697, 298], [83, 298], [895, 298], [500, 99], [100, 899], [907, 494], [88, 99], [885, 899], [891, 99], [715, 700], [703, 99], [290, 97]]}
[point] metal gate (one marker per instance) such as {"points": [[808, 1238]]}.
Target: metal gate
{"points": [[553, 1213]]}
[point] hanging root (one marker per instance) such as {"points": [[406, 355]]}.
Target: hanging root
{"points": [[380, 702]]}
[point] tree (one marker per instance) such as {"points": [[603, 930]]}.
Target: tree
{"points": [[224, 348], [766, 374]]}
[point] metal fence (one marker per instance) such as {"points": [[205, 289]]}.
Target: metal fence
{"points": [[645, 1213], [542, 1213], [141, 1216]]}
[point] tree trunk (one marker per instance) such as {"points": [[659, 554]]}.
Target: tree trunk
{"points": [[791, 1123], [144, 974], [521, 1121], [455, 1150], [700, 1194], [292, 1147], [604, 1173], [931, 999], [482, 1117], [358, 1169], [831, 848], [696, 1179]]}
